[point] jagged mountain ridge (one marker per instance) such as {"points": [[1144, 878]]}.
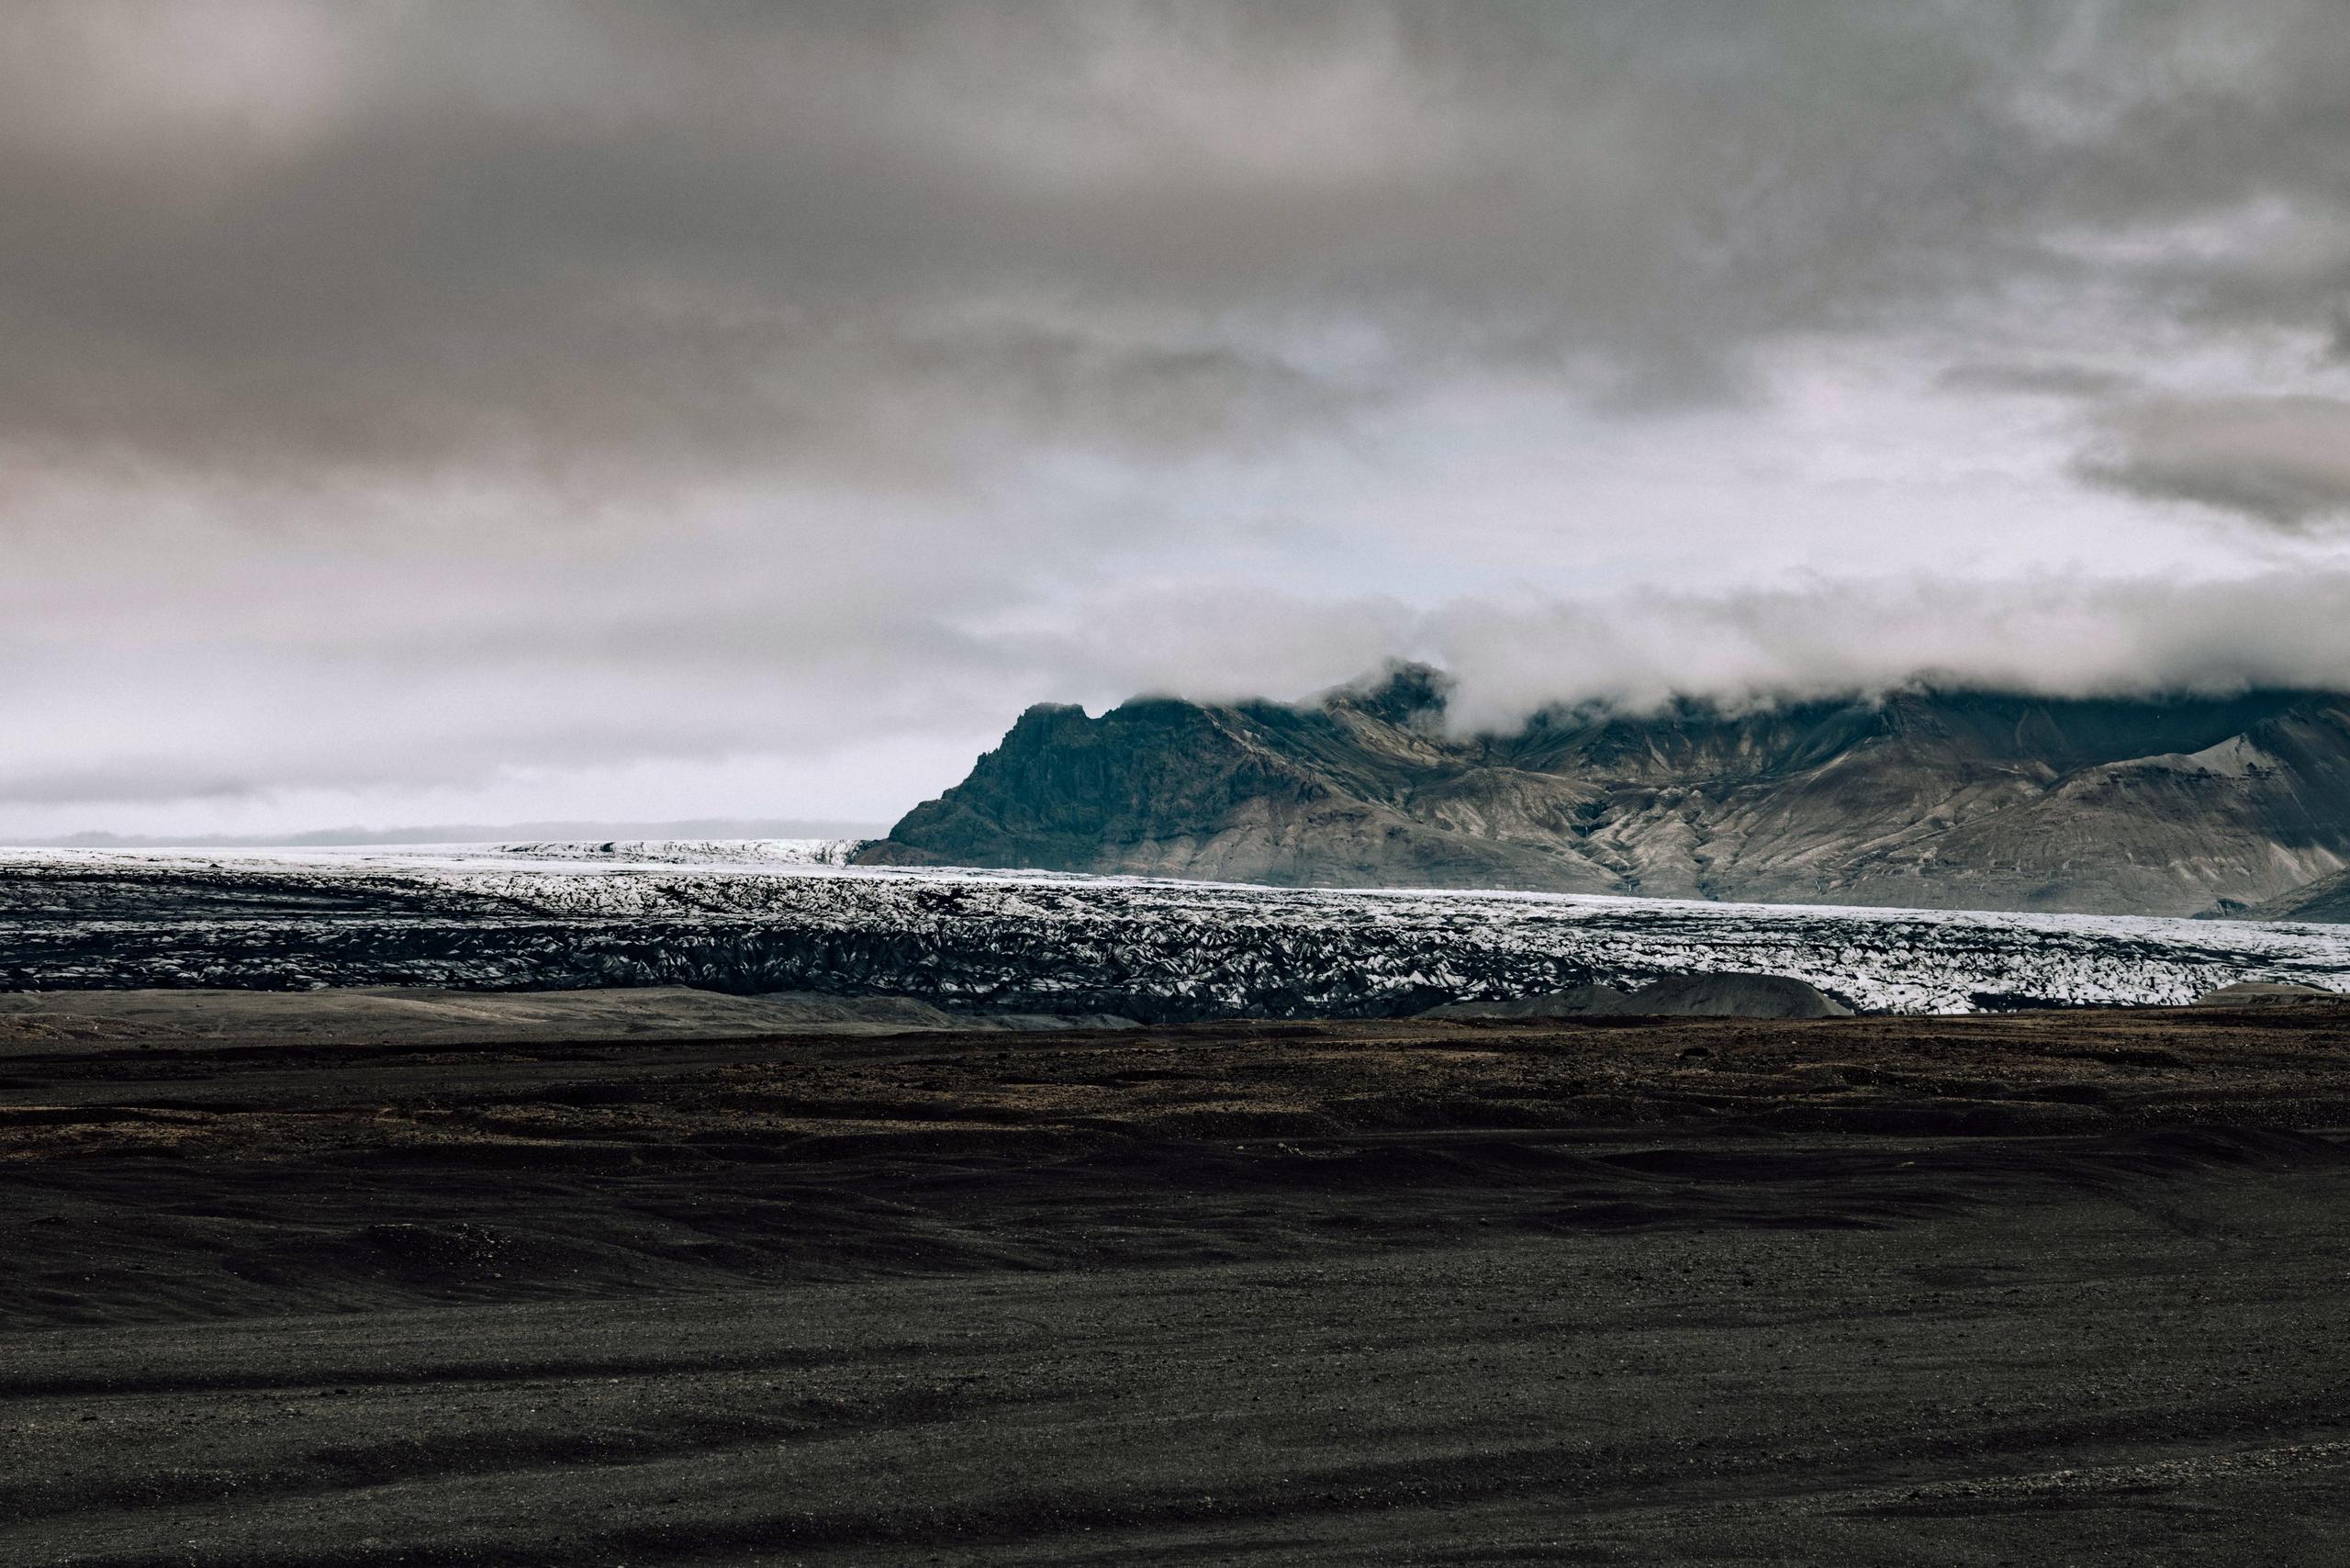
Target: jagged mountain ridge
{"points": [[1932, 799]]}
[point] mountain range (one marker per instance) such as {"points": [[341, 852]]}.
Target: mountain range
{"points": [[1921, 797]]}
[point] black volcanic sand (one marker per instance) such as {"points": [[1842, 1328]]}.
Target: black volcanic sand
{"points": [[2057, 1288]]}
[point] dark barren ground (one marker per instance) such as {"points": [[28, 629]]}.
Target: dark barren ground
{"points": [[2053, 1288]]}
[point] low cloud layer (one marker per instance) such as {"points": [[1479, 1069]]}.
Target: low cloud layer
{"points": [[437, 411], [2120, 638]]}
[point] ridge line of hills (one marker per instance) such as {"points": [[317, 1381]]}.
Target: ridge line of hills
{"points": [[1925, 798]]}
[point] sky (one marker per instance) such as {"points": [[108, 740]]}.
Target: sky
{"points": [[475, 413]]}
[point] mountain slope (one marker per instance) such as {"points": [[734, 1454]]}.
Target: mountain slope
{"points": [[1337, 796], [2326, 900], [1938, 800]]}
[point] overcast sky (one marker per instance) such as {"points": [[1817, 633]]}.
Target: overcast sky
{"points": [[472, 413]]}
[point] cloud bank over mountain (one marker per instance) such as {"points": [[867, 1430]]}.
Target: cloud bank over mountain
{"points": [[447, 412]]}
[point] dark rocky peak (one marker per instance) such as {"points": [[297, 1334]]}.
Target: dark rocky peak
{"points": [[1952, 729], [1042, 723], [2068, 733], [2314, 726], [1694, 737], [1409, 695]]}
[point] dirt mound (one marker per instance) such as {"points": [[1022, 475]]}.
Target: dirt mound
{"points": [[1675, 996], [797, 1009], [2265, 994], [1736, 996]]}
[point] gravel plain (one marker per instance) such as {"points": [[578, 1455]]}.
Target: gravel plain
{"points": [[2042, 1288]]}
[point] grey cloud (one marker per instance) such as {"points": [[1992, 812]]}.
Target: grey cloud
{"points": [[129, 780], [1510, 658], [2043, 378], [2282, 461], [428, 391], [769, 235], [2133, 637]]}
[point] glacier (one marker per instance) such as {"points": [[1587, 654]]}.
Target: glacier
{"points": [[766, 916]]}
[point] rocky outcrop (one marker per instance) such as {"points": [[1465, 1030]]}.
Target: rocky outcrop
{"points": [[1922, 798]]}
